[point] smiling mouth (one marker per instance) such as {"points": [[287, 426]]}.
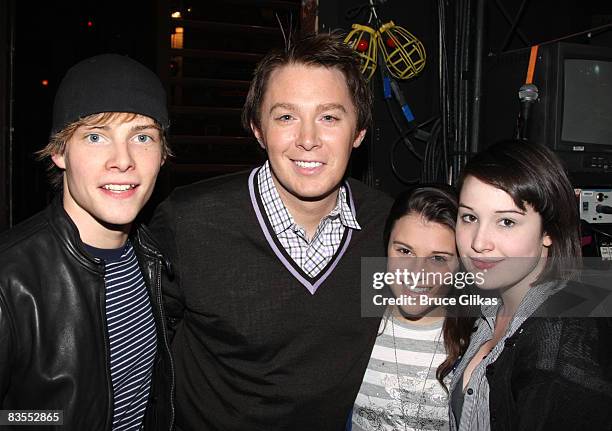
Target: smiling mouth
{"points": [[421, 289], [118, 188], [307, 165], [415, 289]]}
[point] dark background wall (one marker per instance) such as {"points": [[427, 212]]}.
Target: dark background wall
{"points": [[206, 79], [538, 21], [49, 37], [6, 29], [420, 18]]}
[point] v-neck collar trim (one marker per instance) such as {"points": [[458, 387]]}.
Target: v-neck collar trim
{"points": [[311, 283]]}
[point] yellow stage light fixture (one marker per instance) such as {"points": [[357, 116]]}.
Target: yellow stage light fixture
{"points": [[404, 54], [363, 39]]}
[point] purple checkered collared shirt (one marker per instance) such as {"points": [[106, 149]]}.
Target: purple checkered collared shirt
{"points": [[314, 254]]}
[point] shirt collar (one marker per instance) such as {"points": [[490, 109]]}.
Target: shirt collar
{"points": [[273, 204], [347, 218], [536, 295]]}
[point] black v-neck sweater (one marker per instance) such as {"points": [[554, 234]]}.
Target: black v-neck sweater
{"points": [[255, 349]]}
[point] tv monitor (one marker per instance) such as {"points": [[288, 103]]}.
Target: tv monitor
{"points": [[573, 115], [587, 103], [577, 90]]}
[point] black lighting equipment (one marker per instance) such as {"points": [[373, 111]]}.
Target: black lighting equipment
{"points": [[572, 113]]}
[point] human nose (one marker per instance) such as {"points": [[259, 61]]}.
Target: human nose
{"points": [[121, 157], [481, 240], [410, 263], [402, 264], [432, 266], [307, 138]]}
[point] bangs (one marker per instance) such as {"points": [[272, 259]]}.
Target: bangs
{"points": [[109, 117]]}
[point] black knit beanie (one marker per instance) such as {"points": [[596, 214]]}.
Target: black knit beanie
{"points": [[108, 83]]}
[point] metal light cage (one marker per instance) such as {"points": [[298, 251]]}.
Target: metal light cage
{"points": [[363, 40], [404, 54]]}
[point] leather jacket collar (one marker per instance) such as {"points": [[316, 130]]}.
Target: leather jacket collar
{"points": [[68, 233]]}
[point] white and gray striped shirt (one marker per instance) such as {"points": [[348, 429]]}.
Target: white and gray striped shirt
{"points": [[400, 391]]}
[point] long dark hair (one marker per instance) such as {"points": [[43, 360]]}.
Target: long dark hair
{"points": [[533, 174], [435, 203]]}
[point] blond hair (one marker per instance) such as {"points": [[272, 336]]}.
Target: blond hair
{"points": [[57, 142]]}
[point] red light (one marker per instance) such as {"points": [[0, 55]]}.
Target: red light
{"points": [[44, 82], [89, 24], [362, 45]]}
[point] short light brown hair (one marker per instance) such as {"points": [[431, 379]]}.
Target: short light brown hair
{"points": [[321, 50], [57, 142]]}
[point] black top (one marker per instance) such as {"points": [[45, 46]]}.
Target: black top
{"points": [[554, 374], [256, 350], [53, 340], [105, 254]]}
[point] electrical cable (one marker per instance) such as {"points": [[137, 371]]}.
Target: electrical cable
{"points": [[434, 166], [600, 232], [394, 169], [465, 72], [403, 134], [434, 158], [443, 77], [387, 98], [454, 124]]}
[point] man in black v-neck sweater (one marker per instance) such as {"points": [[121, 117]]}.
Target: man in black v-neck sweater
{"points": [[267, 264]]}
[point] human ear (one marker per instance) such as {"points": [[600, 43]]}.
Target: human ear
{"points": [[546, 240], [59, 160], [359, 138], [257, 134]]}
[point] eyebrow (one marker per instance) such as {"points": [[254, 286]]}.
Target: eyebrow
{"points": [[320, 108], [136, 128], [146, 127], [331, 107], [432, 252], [496, 212], [288, 106]]}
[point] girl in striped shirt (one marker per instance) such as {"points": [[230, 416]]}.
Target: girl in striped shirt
{"points": [[401, 389]]}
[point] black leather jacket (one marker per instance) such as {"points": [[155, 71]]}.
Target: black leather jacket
{"points": [[54, 348]]}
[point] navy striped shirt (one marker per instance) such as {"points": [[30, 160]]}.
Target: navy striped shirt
{"points": [[131, 333]]}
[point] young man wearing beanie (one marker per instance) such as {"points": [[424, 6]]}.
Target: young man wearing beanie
{"points": [[267, 264], [81, 328]]}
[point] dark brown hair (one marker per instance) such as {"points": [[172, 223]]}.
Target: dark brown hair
{"points": [[321, 50], [532, 174], [436, 203]]}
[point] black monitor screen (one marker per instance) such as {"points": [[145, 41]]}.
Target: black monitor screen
{"points": [[587, 104]]}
